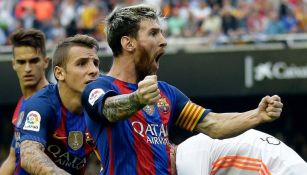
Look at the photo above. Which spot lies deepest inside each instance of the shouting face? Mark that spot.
(150, 47)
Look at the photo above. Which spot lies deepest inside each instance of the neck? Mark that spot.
(123, 68)
(70, 99)
(28, 91)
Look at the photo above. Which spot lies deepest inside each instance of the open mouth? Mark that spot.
(158, 57)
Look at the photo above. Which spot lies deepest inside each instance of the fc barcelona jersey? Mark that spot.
(18, 113)
(140, 144)
(63, 133)
(18, 108)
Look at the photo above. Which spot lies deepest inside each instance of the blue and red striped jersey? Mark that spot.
(140, 144)
(17, 111)
(63, 133)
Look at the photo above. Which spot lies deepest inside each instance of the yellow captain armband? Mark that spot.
(189, 116)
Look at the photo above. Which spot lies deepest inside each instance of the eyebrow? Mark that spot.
(156, 29)
(34, 59)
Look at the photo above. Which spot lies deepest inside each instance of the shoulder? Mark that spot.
(48, 90)
(48, 96)
(168, 88)
(101, 81)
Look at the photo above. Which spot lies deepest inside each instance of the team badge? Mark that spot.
(163, 106)
(94, 95)
(33, 121)
(149, 109)
(75, 140)
(20, 118)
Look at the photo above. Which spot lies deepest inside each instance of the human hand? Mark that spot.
(270, 108)
(148, 92)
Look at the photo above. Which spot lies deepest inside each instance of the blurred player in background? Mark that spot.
(250, 153)
(53, 134)
(30, 63)
(130, 112)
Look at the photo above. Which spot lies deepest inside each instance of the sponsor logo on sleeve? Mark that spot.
(32, 122)
(94, 95)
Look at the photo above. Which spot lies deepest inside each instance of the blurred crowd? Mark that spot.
(218, 20)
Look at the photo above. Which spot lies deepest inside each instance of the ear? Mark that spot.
(128, 43)
(46, 62)
(59, 73)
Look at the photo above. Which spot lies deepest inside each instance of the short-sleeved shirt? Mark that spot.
(63, 134)
(140, 144)
(250, 153)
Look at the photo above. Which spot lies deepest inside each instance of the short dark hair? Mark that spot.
(126, 22)
(29, 37)
(61, 51)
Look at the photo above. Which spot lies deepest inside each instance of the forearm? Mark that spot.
(121, 107)
(8, 165)
(35, 161)
(226, 125)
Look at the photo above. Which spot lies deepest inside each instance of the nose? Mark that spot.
(163, 42)
(28, 67)
(93, 70)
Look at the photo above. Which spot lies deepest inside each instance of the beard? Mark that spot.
(144, 66)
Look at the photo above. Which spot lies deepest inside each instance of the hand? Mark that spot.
(270, 108)
(148, 92)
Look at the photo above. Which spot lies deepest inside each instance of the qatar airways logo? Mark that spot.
(153, 133)
(270, 70)
(65, 158)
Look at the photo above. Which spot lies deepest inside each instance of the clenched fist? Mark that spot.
(270, 108)
(148, 92)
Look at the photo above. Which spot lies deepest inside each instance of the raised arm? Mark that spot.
(35, 161)
(226, 125)
(8, 166)
(124, 106)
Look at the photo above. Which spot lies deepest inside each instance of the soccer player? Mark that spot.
(131, 113)
(250, 153)
(53, 134)
(30, 63)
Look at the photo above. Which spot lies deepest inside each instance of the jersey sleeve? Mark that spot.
(16, 112)
(37, 120)
(93, 98)
(186, 113)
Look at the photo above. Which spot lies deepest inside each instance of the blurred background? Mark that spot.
(224, 54)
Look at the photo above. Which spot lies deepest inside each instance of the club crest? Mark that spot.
(75, 140)
(163, 106)
(149, 109)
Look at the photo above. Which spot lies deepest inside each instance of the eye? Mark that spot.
(154, 32)
(20, 62)
(96, 62)
(34, 60)
(81, 63)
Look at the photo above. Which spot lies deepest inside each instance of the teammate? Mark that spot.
(250, 153)
(53, 133)
(30, 63)
(131, 113)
